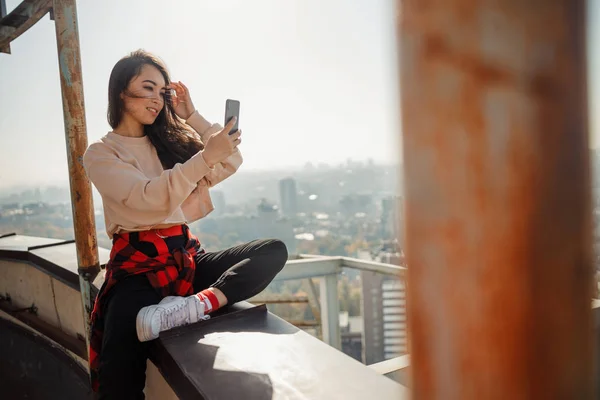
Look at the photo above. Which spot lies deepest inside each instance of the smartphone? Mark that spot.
(232, 109)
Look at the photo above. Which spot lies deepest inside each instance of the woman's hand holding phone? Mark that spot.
(221, 145)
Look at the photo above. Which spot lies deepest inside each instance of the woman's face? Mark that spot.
(144, 97)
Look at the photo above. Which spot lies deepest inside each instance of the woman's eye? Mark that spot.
(148, 87)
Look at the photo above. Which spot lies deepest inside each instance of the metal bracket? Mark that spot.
(31, 309)
(90, 273)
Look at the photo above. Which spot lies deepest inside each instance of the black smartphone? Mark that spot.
(232, 109)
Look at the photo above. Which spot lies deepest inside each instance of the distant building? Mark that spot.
(267, 213)
(268, 224)
(288, 196)
(392, 218)
(353, 204)
(384, 314)
(372, 346)
(351, 329)
(37, 195)
(11, 206)
(394, 317)
(218, 199)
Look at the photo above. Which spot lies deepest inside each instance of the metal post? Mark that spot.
(330, 311)
(313, 302)
(67, 38)
(498, 201)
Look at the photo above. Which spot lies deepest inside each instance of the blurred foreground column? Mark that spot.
(498, 206)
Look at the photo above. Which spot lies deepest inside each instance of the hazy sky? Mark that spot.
(316, 79)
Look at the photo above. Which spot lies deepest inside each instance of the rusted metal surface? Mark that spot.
(67, 36)
(23, 17)
(498, 217)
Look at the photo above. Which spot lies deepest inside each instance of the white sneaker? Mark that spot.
(171, 312)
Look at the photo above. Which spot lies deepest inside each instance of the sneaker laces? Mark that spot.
(175, 316)
(178, 315)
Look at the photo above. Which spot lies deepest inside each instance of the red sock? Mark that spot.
(211, 303)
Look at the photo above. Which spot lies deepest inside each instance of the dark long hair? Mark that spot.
(173, 140)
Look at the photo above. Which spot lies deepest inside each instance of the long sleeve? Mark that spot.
(144, 201)
(225, 168)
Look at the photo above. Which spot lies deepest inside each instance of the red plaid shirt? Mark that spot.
(171, 273)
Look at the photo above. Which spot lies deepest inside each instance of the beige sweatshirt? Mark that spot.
(137, 193)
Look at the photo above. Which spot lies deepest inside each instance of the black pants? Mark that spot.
(239, 272)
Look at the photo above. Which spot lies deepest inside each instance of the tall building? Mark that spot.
(372, 346)
(384, 313)
(394, 318)
(288, 196)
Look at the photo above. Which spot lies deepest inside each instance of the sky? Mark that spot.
(316, 79)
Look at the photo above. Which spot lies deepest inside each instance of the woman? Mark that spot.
(153, 171)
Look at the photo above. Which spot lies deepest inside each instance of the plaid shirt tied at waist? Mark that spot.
(170, 272)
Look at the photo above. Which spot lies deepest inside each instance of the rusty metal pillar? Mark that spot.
(498, 203)
(67, 37)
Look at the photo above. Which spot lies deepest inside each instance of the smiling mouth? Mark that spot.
(152, 110)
